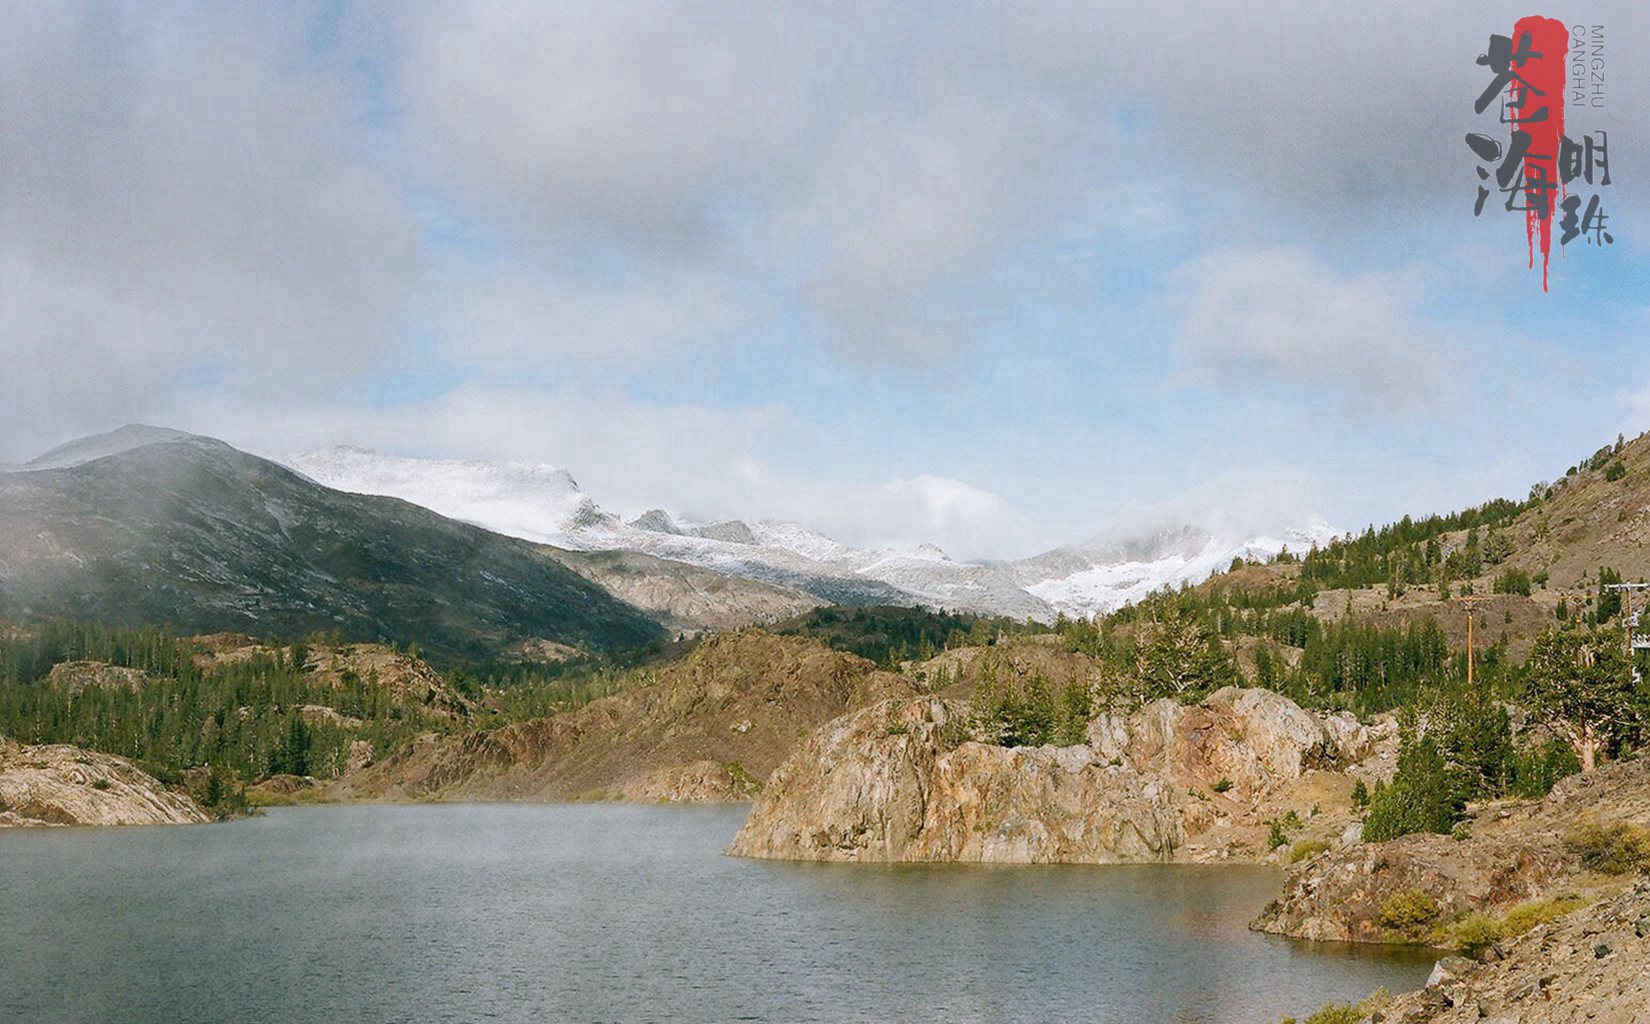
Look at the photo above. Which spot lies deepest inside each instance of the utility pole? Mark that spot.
(1629, 617)
(1470, 601)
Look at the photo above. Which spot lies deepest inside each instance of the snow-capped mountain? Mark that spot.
(1101, 575)
(544, 503)
(520, 499)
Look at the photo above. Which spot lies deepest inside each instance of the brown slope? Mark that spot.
(685, 598)
(1590, 521)
(710, 726)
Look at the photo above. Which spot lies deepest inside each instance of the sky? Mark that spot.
(995, 276)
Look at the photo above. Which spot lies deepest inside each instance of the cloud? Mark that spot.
(515, 317)
(890, 164)
(183, 195)
(1637, 406)
(704, 463)
(879, 180)
(964, 520)
(1254, 319)
(539, 212)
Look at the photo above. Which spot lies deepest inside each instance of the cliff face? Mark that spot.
(1167, 783)
(64, 785)
(1514, 853)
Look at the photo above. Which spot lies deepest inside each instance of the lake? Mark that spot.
(598, 913)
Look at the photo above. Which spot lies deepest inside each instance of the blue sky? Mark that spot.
(998, 276)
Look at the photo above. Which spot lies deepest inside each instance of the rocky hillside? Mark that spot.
(897, 781)
(686, 598)
(403, 676)
(1592, 965)
(711, 726)
(1596, 515)
(147, 527)
(64, 785)
(1514, 853)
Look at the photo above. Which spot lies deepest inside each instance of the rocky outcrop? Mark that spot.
(707, 728)
(1347, 896)
(404, 675)
(701, 782)
(898, 782)
(64, 785)
(1514, 852)
(1589, 966)
(683, 597)
(75, 676)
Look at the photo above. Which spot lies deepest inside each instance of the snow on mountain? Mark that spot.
(1102, 575)
(543, 503)
(520, 499)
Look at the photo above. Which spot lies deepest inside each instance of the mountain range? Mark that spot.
(480, 559)
(544, 503)
(150, 526)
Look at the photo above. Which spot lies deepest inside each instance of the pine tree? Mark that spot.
(1581, 685)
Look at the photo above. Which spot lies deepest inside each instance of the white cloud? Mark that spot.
(706, 464)
(964, 520)
(1260, 318)
(518, 318)
(183, 195)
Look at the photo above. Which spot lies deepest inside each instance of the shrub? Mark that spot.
(1278, 829)
(1533, 771)
(1513, 581)
(1306, 849)
(1611, 849)
(1346, 1013)
(1222, 786)
(1360, 795)
(1337, 1013)
(100, 784)
(1615, 471)
(1525, 916)
(1473, 934)
(1409, 911)
(1275, 835)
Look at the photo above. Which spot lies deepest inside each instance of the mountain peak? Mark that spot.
(656, 520)
(122, 439)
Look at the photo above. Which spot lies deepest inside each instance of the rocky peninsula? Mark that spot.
(59, 784)
(1245, 774)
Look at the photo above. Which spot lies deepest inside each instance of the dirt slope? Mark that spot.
(709, 727)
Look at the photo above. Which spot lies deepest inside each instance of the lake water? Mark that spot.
(602, 913)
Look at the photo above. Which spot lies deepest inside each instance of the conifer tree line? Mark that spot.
(219, 726)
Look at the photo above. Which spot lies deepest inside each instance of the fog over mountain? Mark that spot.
(151, 526)
(545, 503)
